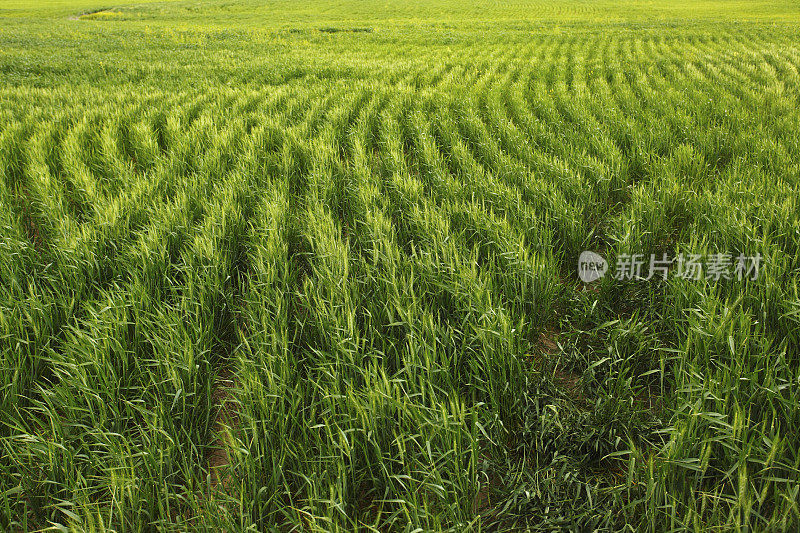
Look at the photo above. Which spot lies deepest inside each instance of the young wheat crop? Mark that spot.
(312, 267)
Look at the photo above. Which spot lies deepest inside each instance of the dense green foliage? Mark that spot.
(312, 266)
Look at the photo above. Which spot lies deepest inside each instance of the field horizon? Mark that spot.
(361, 265)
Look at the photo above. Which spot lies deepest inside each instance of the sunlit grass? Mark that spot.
(280, 266)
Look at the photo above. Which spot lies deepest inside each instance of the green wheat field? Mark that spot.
(314, 266)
